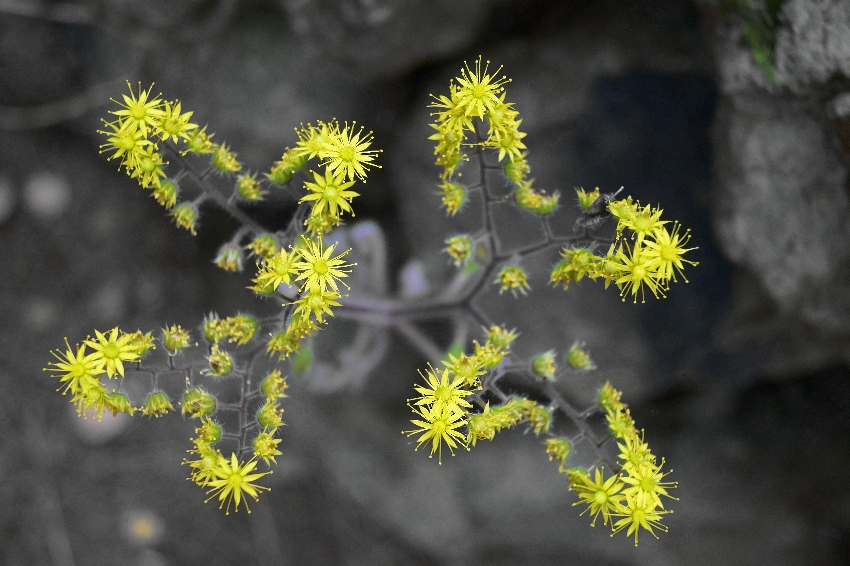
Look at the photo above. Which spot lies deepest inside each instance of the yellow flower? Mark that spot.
(469, 369)
(142, 341)
(665, 252)
(233, 481)
(330, 193)
(454, 197)
(128, 144)
(74, 367)
(477, 91)
(229, 258)
(346, 153)
(138, 113)
(544, 365)
(274, 385)
(459, 248)
(118, 403)
(175, 124)
(508, 142)
(215, 329)
(165, 193)
(114, 350)
(585, 199)
(318, 303)
(636, 516)
(579, 359)
(91, 394)
(636, 271)
(198, 141)
(646, 485)
(279, 270)
(313, 139)
(197, 403)
(241, 328)
(601, 496)
(148, 167)
(317, 267)
(438, 426)
(558, 449)
(442, 392)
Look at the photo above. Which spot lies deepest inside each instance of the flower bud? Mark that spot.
(198, 403)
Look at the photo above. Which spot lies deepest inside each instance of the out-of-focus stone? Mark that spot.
(781, 200)
(383, 38)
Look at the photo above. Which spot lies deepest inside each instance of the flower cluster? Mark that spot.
(228, 478)
(142, 124)
(231, 479)
(645, 254)
(442, 407)
(455, 407)
(343, 151)
(479, 96)
(630, 499)
(81, 371)
(314, 273)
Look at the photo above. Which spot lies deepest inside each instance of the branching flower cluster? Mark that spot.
(232, 373)
(293, 264)
(470, 399)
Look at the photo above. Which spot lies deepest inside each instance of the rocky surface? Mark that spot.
(781, 185)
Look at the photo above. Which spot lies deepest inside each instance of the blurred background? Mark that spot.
(740, 377)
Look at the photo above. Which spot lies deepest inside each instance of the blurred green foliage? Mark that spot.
(762, 21)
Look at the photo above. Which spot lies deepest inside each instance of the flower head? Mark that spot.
(544, 365)
(174, 123)
(220, 362)
(438, 425)
(665, 250)
(197, 403)
(140, 112)
(442, 391)
(264, 247)
(459, 248)
(330, 193)
(347, 153)
(72, 367)
(638, 515)
(229, 258)
(454, 196)
(234, 481)
(114, 350)
(478, 90)
(602, 496)
(636, 271)
(318, 269)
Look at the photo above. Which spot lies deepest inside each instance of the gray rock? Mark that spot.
(781, 202)
(384, 38)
